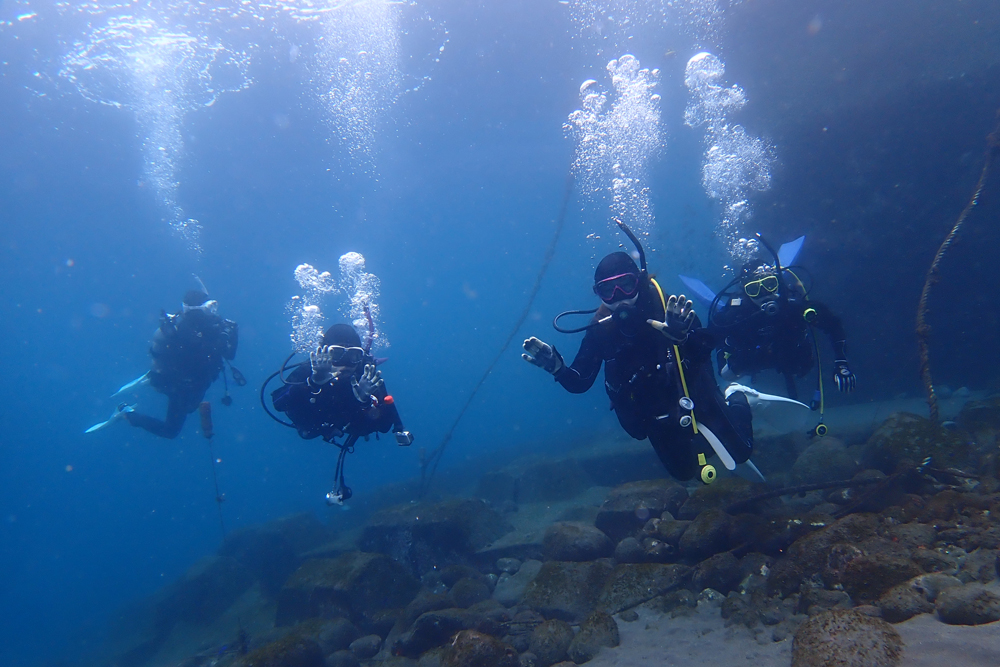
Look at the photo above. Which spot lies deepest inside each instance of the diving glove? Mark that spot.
(322, 365)
(543, 355)
(364, 387)
(678, 319)
(842, 375)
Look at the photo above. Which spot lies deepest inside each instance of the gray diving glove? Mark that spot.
(679, 318)
(365, 387)
(543, 355)
(322, 365)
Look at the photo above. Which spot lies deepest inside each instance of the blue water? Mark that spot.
(878, 119)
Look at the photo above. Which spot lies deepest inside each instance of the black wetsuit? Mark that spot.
(750, 340)
(642, 380)
(188, 353)
(331, 410)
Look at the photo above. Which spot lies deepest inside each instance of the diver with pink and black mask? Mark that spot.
(657, 370)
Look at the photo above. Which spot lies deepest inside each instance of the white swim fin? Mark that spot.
(119, 413)
(755, 398)
(748, 471)
(138, 382)
(727, 459)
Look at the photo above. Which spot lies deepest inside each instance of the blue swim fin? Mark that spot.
(702, 293)
(789, 252)
(138, 382)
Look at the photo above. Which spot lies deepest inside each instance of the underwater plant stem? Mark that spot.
(432, 460)
(803, 488)
(924, 329)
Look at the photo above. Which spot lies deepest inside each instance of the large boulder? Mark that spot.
(356, 585)
(708, 534)
(719, 495)
(475, 649)
(510, 588)
(434, 628)
(567, 591)
(907, 439)
(550, 641)
(628, 507)
(575, 541)
(825, 460)
(972, 604)
(846, 638)
(427, 536)
(291, 651)
(720, 572)
(631, 584)
(871, 574)
(597, 631)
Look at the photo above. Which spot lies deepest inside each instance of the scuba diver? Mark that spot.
(338, 393)
(657, 371)
(189, 350)
(764, 319)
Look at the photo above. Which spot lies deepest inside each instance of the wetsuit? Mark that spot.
(331, 410)
(188, 353)
(750, 340)
(644, 385)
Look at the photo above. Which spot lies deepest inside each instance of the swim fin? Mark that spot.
(119, 413)
(748, 471)
(788, 252)
(702, 293)
(755, 398)
(138, 382)
(720, 450)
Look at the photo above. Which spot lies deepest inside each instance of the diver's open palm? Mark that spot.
(678, 318)
(322, 365)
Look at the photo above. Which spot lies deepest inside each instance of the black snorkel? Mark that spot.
(780, 272)
(643, 276)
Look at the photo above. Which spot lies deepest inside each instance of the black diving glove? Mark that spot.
(322, 366)
(842, 375)
(543, 355)
(679, 318)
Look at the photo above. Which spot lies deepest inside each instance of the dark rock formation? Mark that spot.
(720, 495)
(356, 585)
(632, 584)
(574, 541)
(972, 604)
(568, 591)
(424, 536)
(720, 572)
(342, 659)
(629, 506)
(292, 651)
(846, 638)
(825, 460)
(366, 647)
(597, 631)
(708, 534)
(907, 439)
(510, 590)
(550, 641)
(534, 481)
(475, 649)
(630, 551)
(468, 591)
(434, 628)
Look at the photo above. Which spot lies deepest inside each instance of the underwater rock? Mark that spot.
(669, 602)
(356, 585)
(903, 602)
(533, 481)
(825, 460)
(509, 591)
(567, 591)
(670, 530)
(336, 635)
(508, 565)
(424, 536)
(203, 593)
(550, 641)
(475, 649)
(468, 591)
(451, 574)
(720, 572)
(846, 638)
(972, 604)
(814, 601)
(434, 628)
(717, 496)
(935, 560)
(291, 651)
(573, 541)
(631, 584)
(272, 551)
(342, 659)
(868, 576)
(708, 534)
(366, 647)
(597, 631)
(907, 439)
(629, 506)
(980, 416)
(528, 659)
(913, 535)
(630, 551)
(520, 627)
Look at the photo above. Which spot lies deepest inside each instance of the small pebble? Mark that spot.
(629, 616)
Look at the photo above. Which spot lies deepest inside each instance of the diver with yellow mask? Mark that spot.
(657, 371)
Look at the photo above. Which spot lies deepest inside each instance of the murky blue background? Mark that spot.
(878, 119)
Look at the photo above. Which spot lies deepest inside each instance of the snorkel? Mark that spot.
(643, 275)
(780, 273)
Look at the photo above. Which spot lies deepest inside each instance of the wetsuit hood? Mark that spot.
(343, 335)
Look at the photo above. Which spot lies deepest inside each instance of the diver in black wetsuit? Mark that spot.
(189, 350)
(338, 393)
(764, 320)
(657, 370)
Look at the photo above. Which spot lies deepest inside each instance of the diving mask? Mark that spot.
(625, 283)
(767, 283)
(209, 307)
(345, 356)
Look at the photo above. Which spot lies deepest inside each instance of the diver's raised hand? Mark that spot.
(844, 376)
(678, 318)
(543, 355)
(322, 365)
(366, 385)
